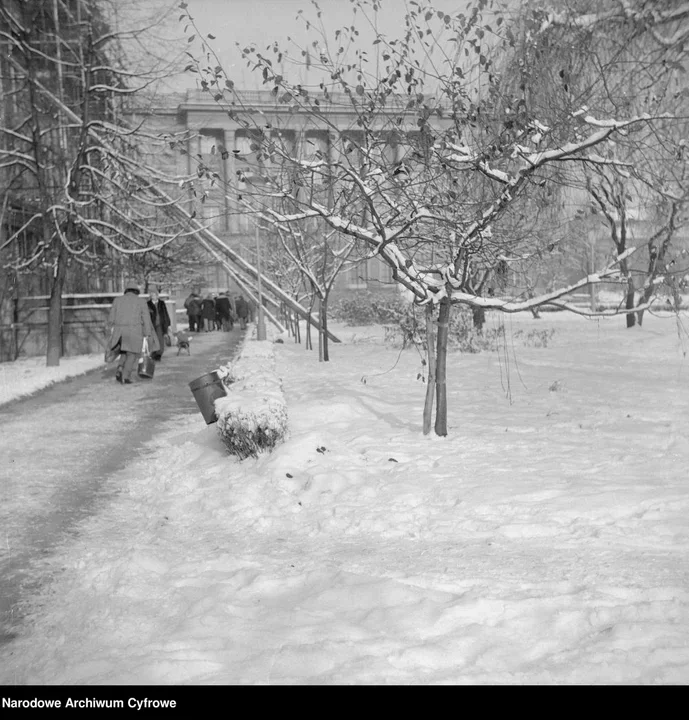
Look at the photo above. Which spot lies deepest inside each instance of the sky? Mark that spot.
(264, 21)
(543, 541)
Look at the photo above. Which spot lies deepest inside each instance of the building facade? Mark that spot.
(207, 134)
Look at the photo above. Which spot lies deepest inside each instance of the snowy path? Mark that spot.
(543, 541)
(62, 447)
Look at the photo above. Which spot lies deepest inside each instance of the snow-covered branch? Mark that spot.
(610, 274)
(643, 15)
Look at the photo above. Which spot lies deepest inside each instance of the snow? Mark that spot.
(253, 414)
(28, 375)
(543, 541)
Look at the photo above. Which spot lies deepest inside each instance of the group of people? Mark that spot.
(216, 312)
(133, 320)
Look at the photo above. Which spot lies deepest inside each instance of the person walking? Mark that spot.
(160, 319)
(131, 323)
(208, 312)
(223, 310)
(242, 311)
(193, 308)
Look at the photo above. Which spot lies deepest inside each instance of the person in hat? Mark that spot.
(131, 323)
(223, 310)
(193, 307)
(160, 319)
(242, 311)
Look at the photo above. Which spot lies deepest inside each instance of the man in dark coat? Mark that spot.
(208, 312)
(160, 319)
(242, 310)
(193, 307)
(224, 311)
(131, 323)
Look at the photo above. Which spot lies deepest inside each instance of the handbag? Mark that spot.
(168, 341)
(147, 364)
(112, 353)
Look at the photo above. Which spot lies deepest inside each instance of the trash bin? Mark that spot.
(207, 389)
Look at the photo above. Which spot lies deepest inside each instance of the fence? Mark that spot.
(83, 331)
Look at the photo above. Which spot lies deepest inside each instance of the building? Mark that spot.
(203, 132)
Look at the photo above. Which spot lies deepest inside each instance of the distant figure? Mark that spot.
(218, 318)
(208, 312)
(193, 307)
(160, 319)
(223, 311)
(131, 323)
(242, 308)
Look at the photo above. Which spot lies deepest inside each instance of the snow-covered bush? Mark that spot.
(252, 418)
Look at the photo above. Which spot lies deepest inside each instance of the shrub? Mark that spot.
(407, 324)
(252, 418)
(253, 425)
(463, 335)
(367, 308)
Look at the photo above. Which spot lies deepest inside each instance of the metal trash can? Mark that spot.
(207, 389)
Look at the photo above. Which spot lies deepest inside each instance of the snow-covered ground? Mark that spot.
(544, 540)
(28, 375)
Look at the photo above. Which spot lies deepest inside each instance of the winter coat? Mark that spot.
(208, 308)
(242, 308)
(222, 307)
(193, 306)
(131, 322)
(159, 309)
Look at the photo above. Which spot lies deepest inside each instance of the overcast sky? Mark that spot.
(265, 21)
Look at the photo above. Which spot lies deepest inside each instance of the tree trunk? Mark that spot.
(441, 368)
(324, 326)
(676, 295)
(631, 319)
(54, 352)
(320, 330)
(478, 316)
(309, 339)
(430, 361)
(656, 260)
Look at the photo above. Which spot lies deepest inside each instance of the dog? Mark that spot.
(183, 340)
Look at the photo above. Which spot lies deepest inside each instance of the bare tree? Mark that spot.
(71, 169)
(617, 59)
(319, 258)
(433, 125)
(665, 22)
(176, 263)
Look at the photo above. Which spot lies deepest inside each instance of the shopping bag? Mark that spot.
(147, 364)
